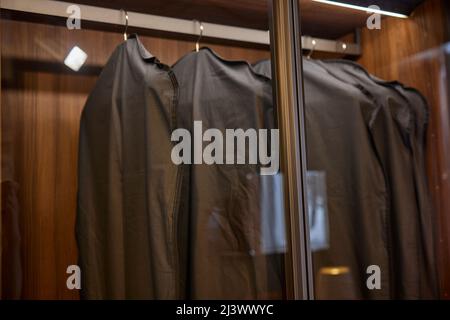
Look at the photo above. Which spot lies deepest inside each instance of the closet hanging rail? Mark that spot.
(139, 20)
(182, 26)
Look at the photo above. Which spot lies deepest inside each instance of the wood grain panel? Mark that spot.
(412, 52)
(41, 106)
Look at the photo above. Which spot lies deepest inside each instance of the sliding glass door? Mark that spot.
(376, 122)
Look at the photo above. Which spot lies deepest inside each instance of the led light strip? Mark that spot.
(366, 9)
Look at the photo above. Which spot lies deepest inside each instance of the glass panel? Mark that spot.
(100, 185)
(377, 123)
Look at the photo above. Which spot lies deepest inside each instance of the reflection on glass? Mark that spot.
(317, 210)
(273, 236)
(335, 283)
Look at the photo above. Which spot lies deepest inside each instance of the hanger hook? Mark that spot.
(314, 42)
(125, 36)
(197, 44)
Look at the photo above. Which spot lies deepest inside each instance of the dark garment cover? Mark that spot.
(420, 111)
(339, 144)
(128, 186)
(11, 260)
(428, 221)
(147, 228)
(226, 258)
(395, 127)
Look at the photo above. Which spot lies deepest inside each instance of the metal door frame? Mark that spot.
(285, 39)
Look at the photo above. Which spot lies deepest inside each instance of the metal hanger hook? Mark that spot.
(314, 42)
(125, 36)
(197, 44)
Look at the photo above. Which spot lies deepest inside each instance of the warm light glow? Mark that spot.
(334, 271)
(369, 10)
(75, 59)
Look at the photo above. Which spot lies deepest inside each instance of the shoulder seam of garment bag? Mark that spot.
(373, 78)
(226, 61)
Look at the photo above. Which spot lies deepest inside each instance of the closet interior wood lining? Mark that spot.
(41, 102)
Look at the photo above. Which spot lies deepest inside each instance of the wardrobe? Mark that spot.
(42, 102)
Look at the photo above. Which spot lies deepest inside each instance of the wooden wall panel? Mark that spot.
(41, 107)
(41, 103)
(412, 52)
